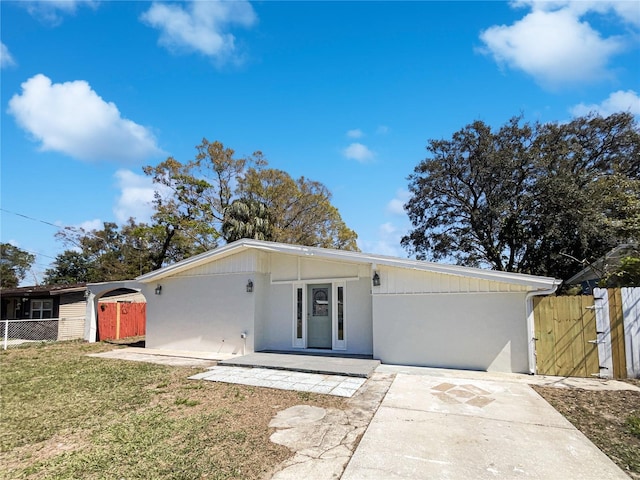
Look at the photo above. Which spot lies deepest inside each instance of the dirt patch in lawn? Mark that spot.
(610, 419)
(67, 415)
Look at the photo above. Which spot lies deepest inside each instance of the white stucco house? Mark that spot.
(263, 296)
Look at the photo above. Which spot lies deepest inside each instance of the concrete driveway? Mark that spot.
(439, 427)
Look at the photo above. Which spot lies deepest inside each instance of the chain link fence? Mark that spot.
(20, 332)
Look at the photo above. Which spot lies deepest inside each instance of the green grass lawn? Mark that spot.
(66, 415)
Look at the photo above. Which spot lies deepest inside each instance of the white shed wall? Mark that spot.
(481, 331)
(200, 313)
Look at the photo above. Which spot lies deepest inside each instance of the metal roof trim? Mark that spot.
(352, 257)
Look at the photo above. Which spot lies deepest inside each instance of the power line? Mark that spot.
(57, 227)
(37, 253)
(35, 219)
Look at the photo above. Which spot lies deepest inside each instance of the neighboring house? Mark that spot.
(262, 296)
(590, 275)
(66, 303)
(63, 310)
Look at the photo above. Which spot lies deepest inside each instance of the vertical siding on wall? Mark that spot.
(406, 281)
(292, 268)
(243, 262)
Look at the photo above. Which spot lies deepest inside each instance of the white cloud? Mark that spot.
(355, 133)
(89, 225)
(626, 10)
(6, 59)
(620, 101)
(553, 45)
(386, 243)
(359, 152)
(52, 11)
(382, 130)
(136, 196)
(72, 118)
(201, 26)
(396, 205)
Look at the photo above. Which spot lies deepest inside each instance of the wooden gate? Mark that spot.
(121, 320)
(566, 336)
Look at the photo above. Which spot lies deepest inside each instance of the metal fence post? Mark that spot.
(6, 334)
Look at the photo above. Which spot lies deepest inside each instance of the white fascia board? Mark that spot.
(492, 275)
(351, 257)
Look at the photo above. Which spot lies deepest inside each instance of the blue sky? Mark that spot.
(346, 93)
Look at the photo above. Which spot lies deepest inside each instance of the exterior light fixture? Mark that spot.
(158, 289)
(376, 279)
(249, 286)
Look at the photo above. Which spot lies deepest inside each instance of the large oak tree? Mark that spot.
(528, 197)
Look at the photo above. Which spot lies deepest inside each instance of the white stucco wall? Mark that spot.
(201, 313)
(477, 331)
(358, 317)
(276, 317)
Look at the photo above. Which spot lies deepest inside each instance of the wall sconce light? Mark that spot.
(158, 289)
(376, 279)
(249, 286)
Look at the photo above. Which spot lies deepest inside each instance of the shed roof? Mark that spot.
(346, 256)
(43, 290)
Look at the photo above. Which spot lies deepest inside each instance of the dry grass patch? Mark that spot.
(610, 419)
(66, 415)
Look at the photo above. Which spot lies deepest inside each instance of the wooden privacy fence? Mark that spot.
(121, 320)
(590, 335)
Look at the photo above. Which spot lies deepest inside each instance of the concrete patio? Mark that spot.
(321, 364)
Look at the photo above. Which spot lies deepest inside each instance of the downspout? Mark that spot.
(531, 328)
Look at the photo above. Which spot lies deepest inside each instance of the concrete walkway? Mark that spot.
(452, 427)
(326, 365)
(338, 385)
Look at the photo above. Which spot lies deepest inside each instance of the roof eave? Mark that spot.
(536, 282)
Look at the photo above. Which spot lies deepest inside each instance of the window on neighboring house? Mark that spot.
(41, 309)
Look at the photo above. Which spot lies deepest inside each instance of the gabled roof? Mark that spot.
(347, 257)
(603, 265)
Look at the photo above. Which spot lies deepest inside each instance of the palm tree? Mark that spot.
(247, 218)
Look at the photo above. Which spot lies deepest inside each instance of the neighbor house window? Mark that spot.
(41, 309)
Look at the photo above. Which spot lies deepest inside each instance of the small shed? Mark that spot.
(262, 296)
